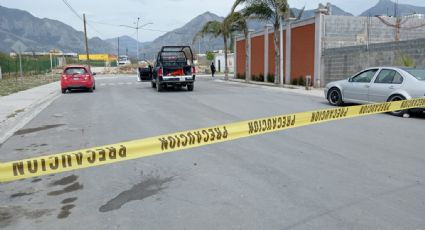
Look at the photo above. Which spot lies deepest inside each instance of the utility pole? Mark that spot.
(51, 64)
(20, 66)
(118, 47)
(137, 40)
(85, 37)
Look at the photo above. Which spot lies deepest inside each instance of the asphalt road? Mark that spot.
(362, 173)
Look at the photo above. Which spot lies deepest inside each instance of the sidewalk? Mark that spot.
(17, 109)
(314, 92)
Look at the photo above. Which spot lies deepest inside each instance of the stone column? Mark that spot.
(266, 51)
(288, 50)
(319, 24)
(281, 74)
(235, 57)
(248, 71)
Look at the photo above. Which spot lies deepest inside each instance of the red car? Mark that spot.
(77, 77)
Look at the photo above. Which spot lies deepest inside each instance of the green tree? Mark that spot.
(239, 23)
(210, 56)
(216, 29)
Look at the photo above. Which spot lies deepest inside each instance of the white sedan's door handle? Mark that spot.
(367, 86)
(391, 87)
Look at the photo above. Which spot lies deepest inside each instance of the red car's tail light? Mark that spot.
(64, 77)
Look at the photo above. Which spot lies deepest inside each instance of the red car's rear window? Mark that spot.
(75, 70)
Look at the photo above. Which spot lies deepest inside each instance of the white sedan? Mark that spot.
(378, 84)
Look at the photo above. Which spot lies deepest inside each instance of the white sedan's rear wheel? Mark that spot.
(398, 113)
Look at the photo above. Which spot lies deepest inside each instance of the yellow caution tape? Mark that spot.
(109, 154)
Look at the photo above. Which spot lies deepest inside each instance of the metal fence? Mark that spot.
(30, 65)
(36, 65)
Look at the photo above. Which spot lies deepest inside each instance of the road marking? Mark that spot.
(117, 83)
(109, 154)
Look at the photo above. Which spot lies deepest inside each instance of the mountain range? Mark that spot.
(42, 34)
(46, 34)
(387, 7)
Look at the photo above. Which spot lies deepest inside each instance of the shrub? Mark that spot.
(240, 76)
(406, 60)
(298, 81)
(270, 78)
(257, 78)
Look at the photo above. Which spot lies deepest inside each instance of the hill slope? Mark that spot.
(42, 34)
(386, 7)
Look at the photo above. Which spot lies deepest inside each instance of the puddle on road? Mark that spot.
(21, 194)
(65, 211)
(33, 130)
(9, 215)
(71, 188)
(36, 180)
(140, 191)
(65, 181)
(69, 200)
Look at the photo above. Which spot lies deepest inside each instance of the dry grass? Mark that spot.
(9, 85)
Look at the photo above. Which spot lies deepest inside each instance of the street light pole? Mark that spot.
(137, 32)
(137, 39)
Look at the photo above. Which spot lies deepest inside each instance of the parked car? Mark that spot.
(123, 60)
(378, 84)
(77, 77)
(173, 68)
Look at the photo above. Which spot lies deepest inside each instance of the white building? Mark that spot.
(219, 62)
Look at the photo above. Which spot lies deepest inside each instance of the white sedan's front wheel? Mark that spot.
(335, 97)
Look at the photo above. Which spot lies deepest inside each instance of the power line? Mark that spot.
(109, 24)
(79, 16)
(72, 9)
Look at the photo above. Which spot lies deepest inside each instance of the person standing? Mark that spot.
(212, 69)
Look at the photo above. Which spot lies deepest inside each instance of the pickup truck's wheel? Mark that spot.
(158, 87)
(190, 87)
(153, 84)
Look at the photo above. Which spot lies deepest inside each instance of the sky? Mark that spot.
(105, 16)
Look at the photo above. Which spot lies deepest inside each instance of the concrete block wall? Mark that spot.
(341, 63)
(342, 31)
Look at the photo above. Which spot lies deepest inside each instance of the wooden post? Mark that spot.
(85, 37)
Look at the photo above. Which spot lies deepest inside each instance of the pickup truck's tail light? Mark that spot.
(193, 70)
(160, 72)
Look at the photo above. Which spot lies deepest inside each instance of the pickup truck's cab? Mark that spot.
(173, 68)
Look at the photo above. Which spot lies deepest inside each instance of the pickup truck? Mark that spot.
(173, 68)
